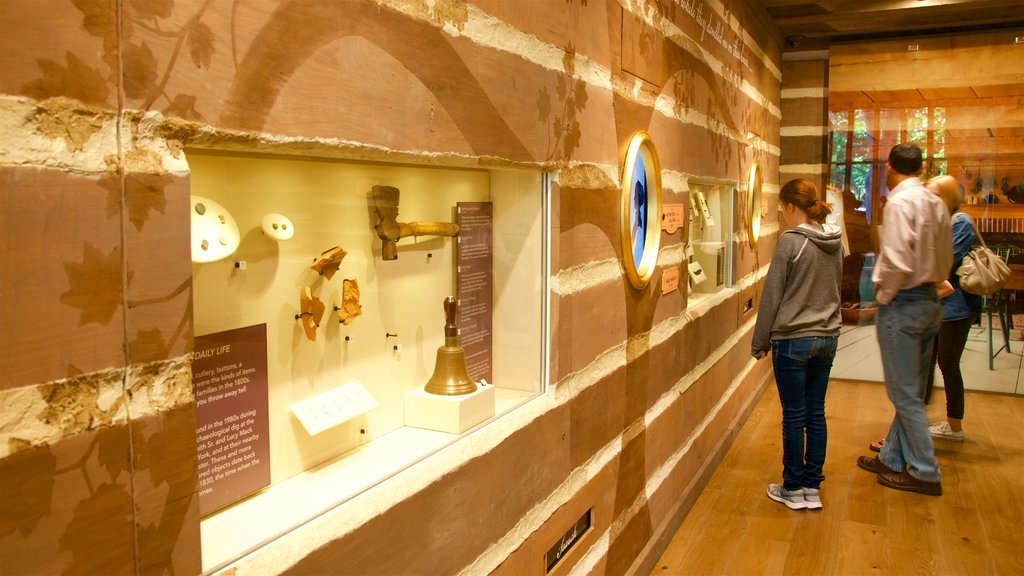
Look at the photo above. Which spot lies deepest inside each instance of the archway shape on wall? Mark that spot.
(423, 50)
(641, 210)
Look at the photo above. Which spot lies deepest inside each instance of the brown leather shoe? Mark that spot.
(874, 465)
(904, 481)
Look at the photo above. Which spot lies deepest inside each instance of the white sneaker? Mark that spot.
(812, 498)
(793, 500)
(942, 430)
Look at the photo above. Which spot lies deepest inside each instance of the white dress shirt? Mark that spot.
(917, 241)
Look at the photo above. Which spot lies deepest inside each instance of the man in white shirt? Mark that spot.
(916, 255)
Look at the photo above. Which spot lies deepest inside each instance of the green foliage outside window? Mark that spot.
(853, 145)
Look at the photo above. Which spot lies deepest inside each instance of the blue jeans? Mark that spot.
(906, 329)
(802, 366)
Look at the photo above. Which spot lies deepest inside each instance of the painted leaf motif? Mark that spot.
(200, 43)
(95, 285)
(562, 88)
(569, 60)
(572, 139)
(145, 193)
(98, 16)
(112, 450)
(150, 344)
(580, 94)
(152, 9)
(140, 71)
(543, 104)
(184, 106)
(112, 184)
(26, 503)
(76, 80)
(100, 530)
(161, 451)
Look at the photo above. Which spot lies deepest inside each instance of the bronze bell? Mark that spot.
(450, 376)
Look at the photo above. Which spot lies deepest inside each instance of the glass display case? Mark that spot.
(709, 250)
(337, 292)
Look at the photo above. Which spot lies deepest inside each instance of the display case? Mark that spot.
(709, 250)
(327, 334)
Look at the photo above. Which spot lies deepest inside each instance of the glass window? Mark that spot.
(839, 126)
(860, 182)
(863, 145)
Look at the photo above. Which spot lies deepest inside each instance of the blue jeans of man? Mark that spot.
(802, 366)
(906, 329)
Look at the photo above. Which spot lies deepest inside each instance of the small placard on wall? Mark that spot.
(572, 536)
(669, 279)
(673, 216)
(327, 410)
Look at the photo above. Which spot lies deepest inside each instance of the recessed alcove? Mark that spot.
(386, 350)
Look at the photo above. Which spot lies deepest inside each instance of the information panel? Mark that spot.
(475, 273)
(229, 373)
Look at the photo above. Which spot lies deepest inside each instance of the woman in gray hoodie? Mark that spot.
(798, 321)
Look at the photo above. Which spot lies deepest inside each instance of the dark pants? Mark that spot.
(949, 347)
(802, 366)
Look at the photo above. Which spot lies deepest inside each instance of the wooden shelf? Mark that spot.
(993, 210)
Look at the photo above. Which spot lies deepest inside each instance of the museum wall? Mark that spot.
(101, 104)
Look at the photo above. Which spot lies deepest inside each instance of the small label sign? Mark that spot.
(323, 411)
(669, 280)
(568, 540)
(672, 217)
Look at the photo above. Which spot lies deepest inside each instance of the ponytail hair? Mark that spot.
(804, 195)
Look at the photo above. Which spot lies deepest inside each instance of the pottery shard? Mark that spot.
(350, 307)
(312, 311)
(328, 262)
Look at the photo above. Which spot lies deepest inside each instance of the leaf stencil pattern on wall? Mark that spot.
(96, 289)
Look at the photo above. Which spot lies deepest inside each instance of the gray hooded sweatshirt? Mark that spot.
(801, 291)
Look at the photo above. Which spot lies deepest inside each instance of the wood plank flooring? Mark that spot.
(975, 527)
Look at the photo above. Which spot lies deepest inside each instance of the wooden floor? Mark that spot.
(975, 527)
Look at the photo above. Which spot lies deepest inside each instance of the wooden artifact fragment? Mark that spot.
(311, 312)
(350, 307)
(328, 262)
(390, 230)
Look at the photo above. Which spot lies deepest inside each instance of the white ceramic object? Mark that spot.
(277, 226)
(214, 231)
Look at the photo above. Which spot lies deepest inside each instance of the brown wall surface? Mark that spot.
(99, 101)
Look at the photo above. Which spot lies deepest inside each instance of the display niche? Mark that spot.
(709, 250)
(350, 320)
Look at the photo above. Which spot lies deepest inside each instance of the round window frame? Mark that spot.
(639, 271)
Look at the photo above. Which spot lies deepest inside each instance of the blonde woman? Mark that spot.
(959, 311)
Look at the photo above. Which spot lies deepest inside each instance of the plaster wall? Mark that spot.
(99, 99)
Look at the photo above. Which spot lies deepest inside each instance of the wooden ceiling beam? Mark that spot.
(879, 18)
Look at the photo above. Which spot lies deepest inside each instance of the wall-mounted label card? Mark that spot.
(229, 373)
(669, 280)
(672, 217)
(327, 410)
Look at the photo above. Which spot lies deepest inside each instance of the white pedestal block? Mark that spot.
(452, 414)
